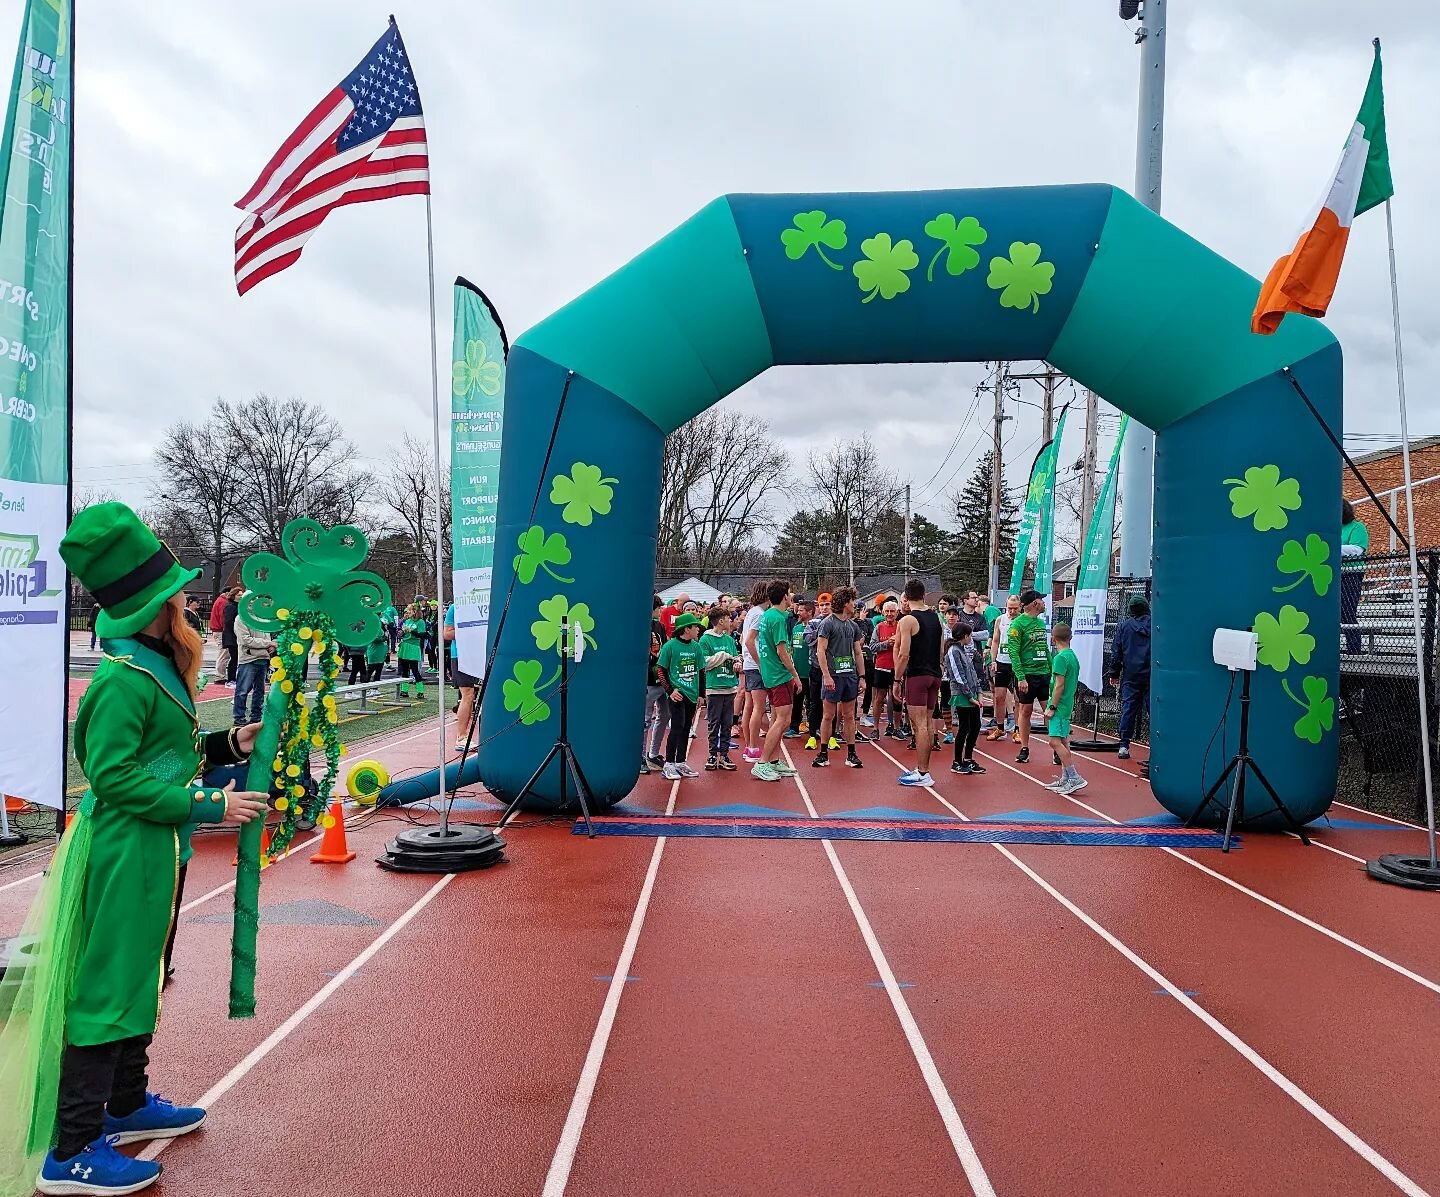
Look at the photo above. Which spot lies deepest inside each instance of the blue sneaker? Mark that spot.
(908, 777)
(98, 1169)
(917, 779)
(156, 1119)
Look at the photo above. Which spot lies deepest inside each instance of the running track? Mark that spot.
(706, 1016)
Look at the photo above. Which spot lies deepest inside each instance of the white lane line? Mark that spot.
(220, 889)
(563, 1160)
(1373, 815)
(22, 881)
(284, 1030)
(944, 1103)
(1280, 908)
(1246, 1052)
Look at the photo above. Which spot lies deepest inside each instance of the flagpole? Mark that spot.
(439, 515)
(1420, 679)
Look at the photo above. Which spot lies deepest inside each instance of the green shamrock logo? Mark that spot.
(546, 629)
(538, 551)
(1309, 561)
(1262, 493)
(1023, 276)
(814, 230)
(583, 493)
(520, 692)
(475, 372)
(955, 241)
(1319, 707)
(1283, 638)
(882, 271)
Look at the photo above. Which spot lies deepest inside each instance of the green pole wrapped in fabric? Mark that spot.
(313, 599)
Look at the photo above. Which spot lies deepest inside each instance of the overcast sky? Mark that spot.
(566, 136)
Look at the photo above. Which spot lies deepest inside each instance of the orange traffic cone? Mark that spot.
(333, 848)
(14, 805)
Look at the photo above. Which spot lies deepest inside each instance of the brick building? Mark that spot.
(1383, 470)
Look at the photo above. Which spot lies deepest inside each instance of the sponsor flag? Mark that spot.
(1304, 279)
(1039, 507)
(1092, 583)
(35, 156)
(477, 418)
(364, 141)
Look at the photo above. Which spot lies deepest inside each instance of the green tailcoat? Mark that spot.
(138, 741)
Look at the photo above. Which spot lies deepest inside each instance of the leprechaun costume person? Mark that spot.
(74, 1046)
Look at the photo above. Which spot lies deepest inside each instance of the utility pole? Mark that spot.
(1049, 379)
(1137, 457)
(907, 531)
(997, 481)
(1087, 477)
(850, 545)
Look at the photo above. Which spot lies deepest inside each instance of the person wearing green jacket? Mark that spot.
(412, 644)
(74, 1070)
(377, 653)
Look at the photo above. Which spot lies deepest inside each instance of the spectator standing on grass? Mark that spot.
(377, 654)
(390, 624)
(412, 640)
(226, 665)
(253, 651)
(1354, 544)
(1130, 669)
(192, 615)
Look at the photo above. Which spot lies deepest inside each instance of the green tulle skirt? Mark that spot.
(33, 1007)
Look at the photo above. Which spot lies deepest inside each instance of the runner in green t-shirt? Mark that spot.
(1030, 661)
(778, 676)
(722, 656)
(800, 653)
(1065, 680)
(681, 665)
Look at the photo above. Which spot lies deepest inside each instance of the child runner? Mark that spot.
(722, 658)
(800, 654)
(1030, 659)
(962, 670)
(682, 666)
(412, 642)
(1066, 674)
(779, 679)
(837, 642)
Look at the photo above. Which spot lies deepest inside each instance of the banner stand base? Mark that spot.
(1095, 745)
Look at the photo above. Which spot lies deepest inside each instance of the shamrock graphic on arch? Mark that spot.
(1283, 638)
(955, 240)
(883, 269)
(521, 692)
(1022, 277)
(583, 493)
(546, 629)
(476, 371)
(1263, 494)
(538, 551)
(1319, 708)
(814, 230)
(1309, 560)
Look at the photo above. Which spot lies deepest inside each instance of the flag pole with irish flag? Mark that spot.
(1304, 281)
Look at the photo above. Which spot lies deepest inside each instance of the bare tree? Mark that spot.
(292, 460)
(198, 499)
(406, 493)
(721, 473)
(88, 496)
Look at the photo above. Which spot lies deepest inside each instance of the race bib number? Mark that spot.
(843, 665)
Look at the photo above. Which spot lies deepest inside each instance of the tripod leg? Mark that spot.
(530, 785)
(1237, 802)
(1279, 805)
(582, 789)
(1211, 792)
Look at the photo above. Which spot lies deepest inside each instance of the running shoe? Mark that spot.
(784, 768)
(811, 744)
(949, 738)
(156, 1119)
(1056, 784)
(764, 772)
(670, 773)
(834, 743)
(752, 755)
(973, 767)
(959, 767)
(917, 779)
(712, 762)
(905, 777)
(726, 764)
(645, 766)
(1022, 756)
(1124, 753)
(1015, 735)
(685, 770)
(866, 721)
(1072, 785)
(822, 758)
(98, 1169)
(656, 760)
(862, 738)
(995, 734)
(852, 758)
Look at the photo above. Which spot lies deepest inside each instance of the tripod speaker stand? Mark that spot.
(561, 750)
(1242, 764)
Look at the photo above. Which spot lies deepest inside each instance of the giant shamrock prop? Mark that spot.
(311, 599)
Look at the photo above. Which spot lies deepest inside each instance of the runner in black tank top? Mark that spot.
(917, 660)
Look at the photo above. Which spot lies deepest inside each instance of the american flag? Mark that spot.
(364, 141)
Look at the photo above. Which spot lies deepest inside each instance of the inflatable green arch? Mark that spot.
(1247, 502)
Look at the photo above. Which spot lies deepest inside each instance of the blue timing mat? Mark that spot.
(940, 830)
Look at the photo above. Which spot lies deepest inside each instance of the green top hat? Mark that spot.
(688, 620)
(124, 565)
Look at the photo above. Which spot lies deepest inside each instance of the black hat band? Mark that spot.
(152, 569)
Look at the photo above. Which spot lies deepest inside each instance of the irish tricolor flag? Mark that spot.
(1304, 280)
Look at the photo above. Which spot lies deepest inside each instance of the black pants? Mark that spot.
(232, 649)
(967, 731)
(1351, 584)
(114, 1074)
(681, 713)
(411, 669)
(814, 707)
(375, 671)
(175, 915)
(358, 668)
(719, 715)
(799, 709)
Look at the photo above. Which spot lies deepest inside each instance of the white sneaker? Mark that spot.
(917, 779)
(685, 770)
(1056, 784)
(1072, 785)
(670, 773)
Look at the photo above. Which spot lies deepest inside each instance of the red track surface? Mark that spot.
(755, 1051)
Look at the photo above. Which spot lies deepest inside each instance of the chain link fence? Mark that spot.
(1106, 720)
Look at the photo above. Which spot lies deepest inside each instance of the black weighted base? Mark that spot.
(458, 848)
(1413, 872)
(1095, 745)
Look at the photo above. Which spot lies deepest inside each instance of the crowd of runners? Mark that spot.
(826, 671)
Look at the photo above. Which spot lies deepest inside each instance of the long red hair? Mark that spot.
(185, 641)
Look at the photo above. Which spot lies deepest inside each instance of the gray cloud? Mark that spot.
(565, 137)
